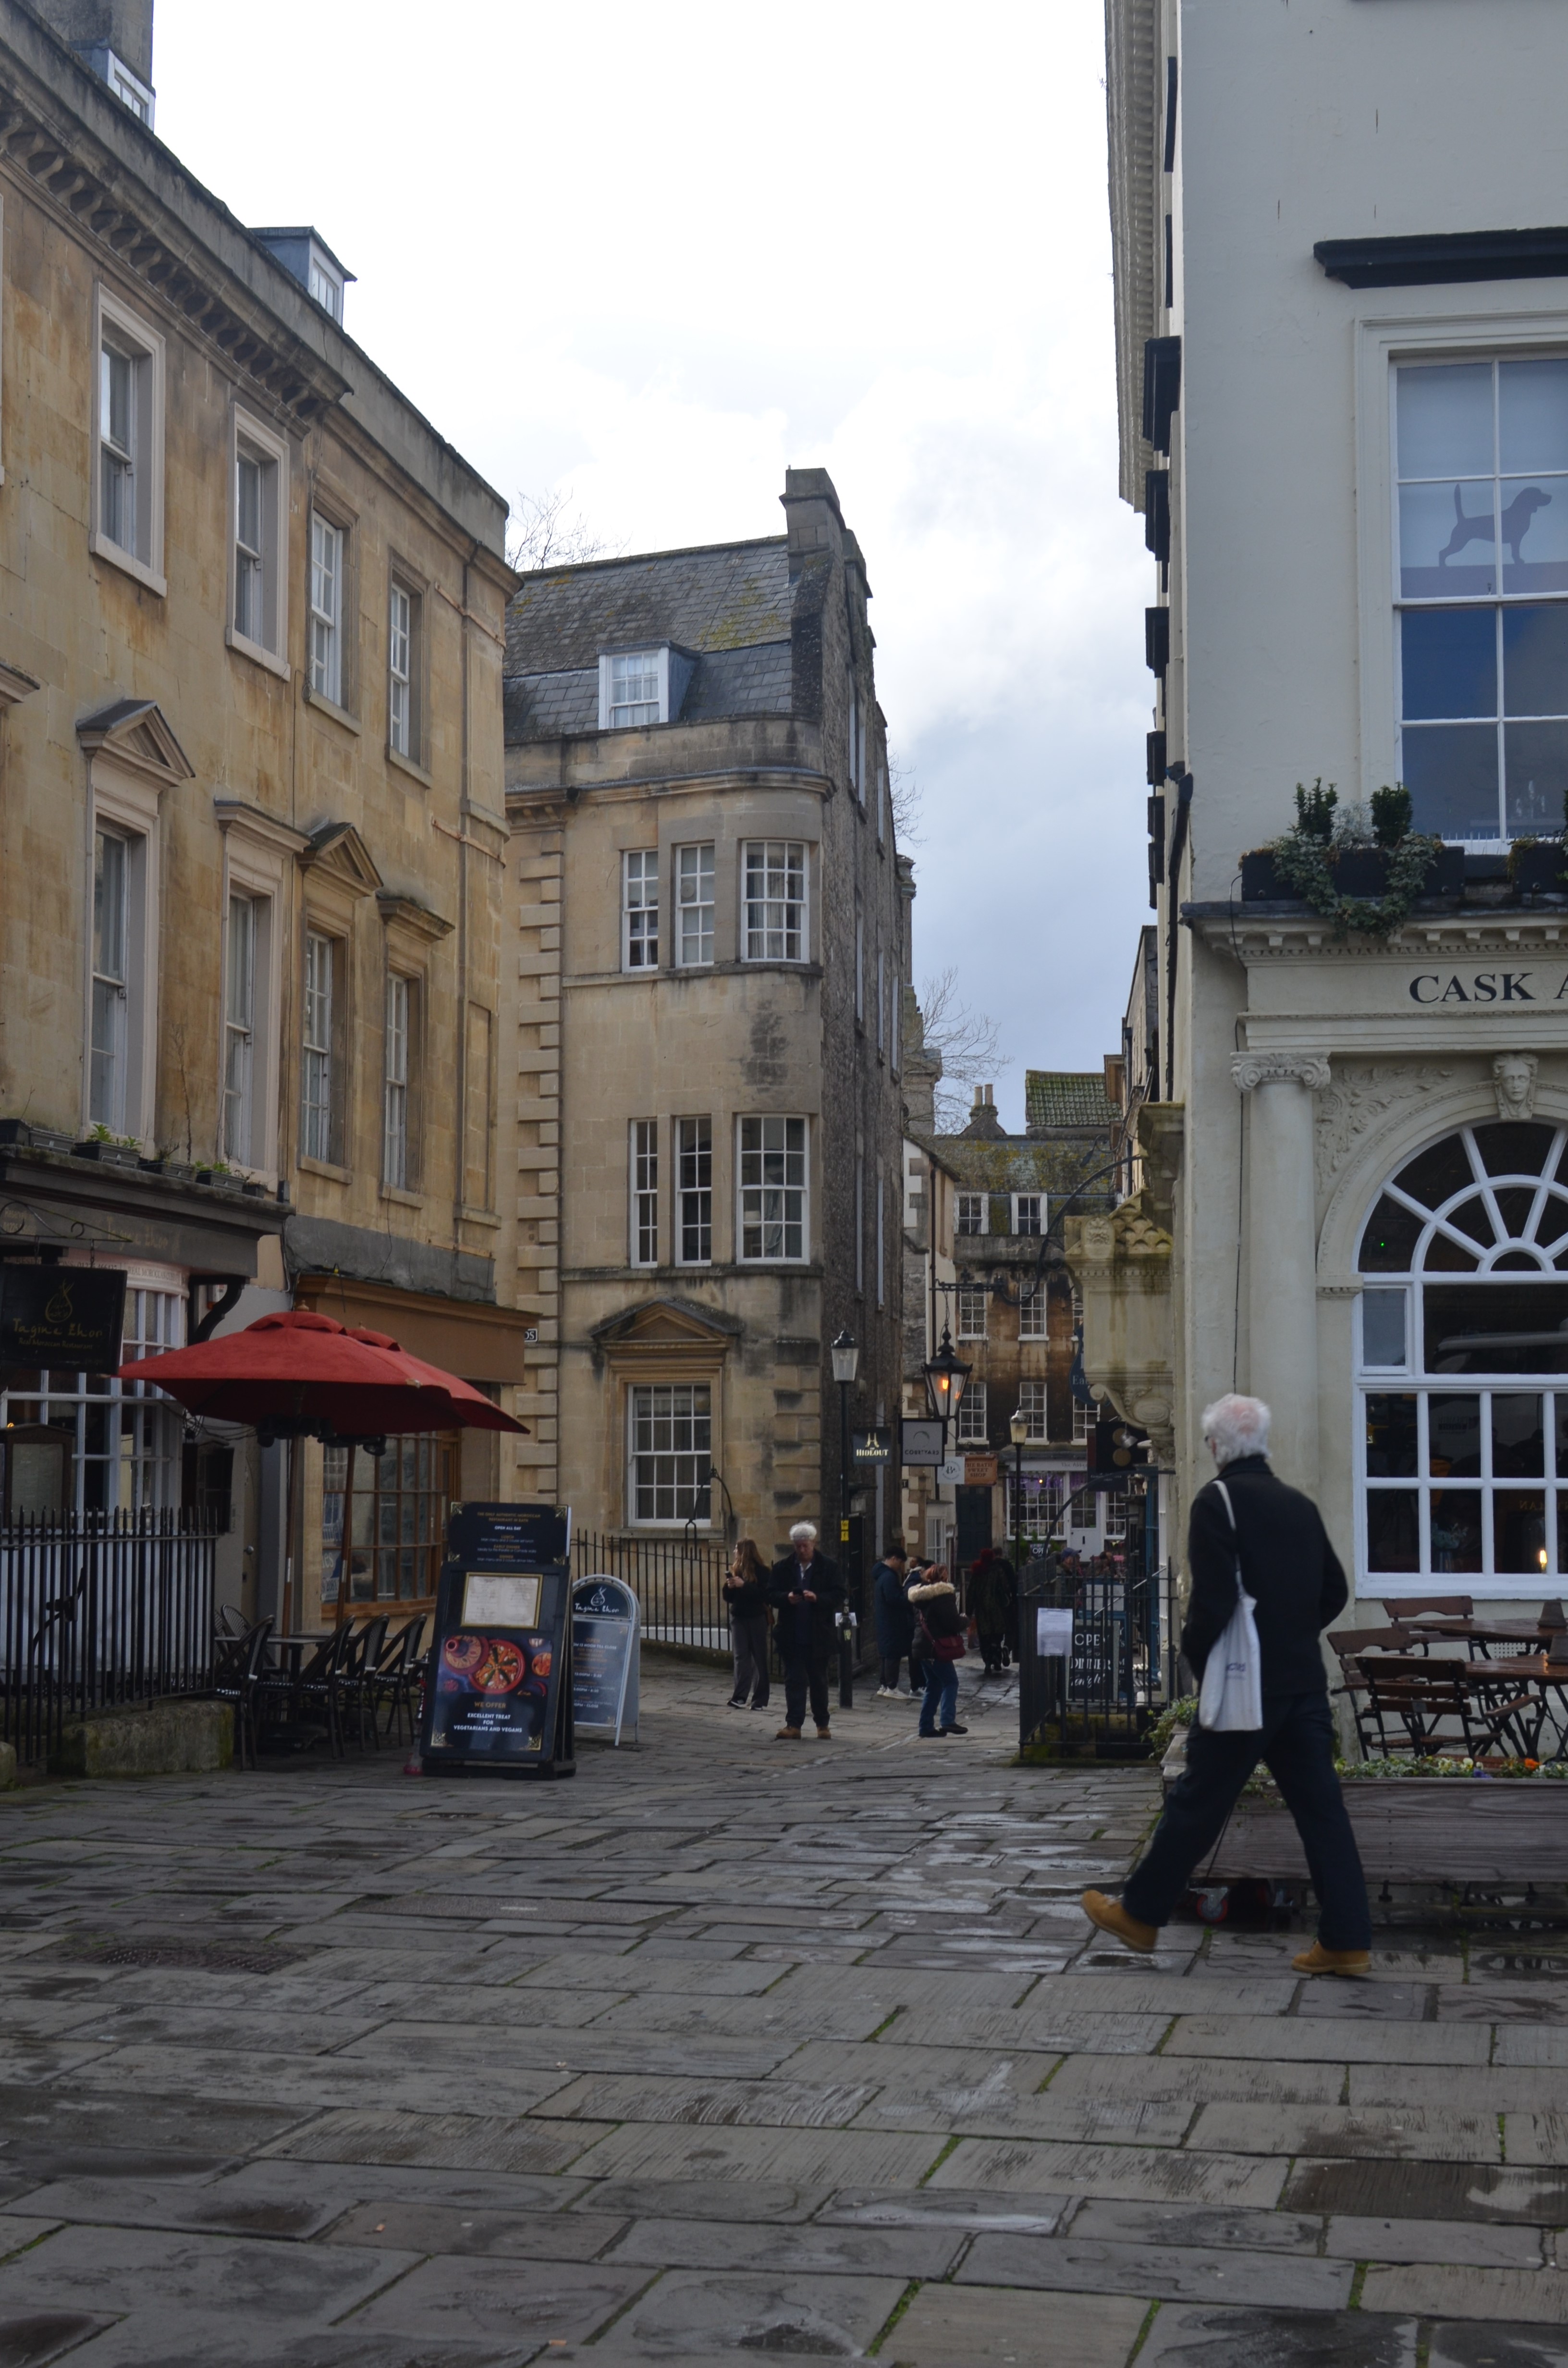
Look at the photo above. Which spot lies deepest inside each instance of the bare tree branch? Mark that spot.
(970, 1044)
(546, 534)
(905, 797)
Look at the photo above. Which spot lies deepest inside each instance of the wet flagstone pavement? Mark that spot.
(731, 2046)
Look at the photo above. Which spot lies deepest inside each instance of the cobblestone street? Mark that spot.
(731, 2045)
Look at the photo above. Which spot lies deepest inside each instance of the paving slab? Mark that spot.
(920, 2249)
(158, 2272)
(686, 2309)
(1325, 2039)
(1454, 2290)
(1423, 2132)
(1486, 2244)
(970, 2209)
(780, 2103)
(538, 2301)
(1429, 2191)
(1131, 2172)
(30, 2338)
(464, 2141)
(1168, 2273)
(1195, 2225)
(1202, 2079)
(1462, 2344)
(700, 2199)
(803, 2157)
(945, 2326)
(1197, 2336)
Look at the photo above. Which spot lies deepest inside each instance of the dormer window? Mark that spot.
(324, 285)
(127, 86)
(307, 257)
(641, 687)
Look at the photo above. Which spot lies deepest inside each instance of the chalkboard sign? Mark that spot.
(69, 1316)
(499, 1695)
(605, 1642)
(1099, 1641)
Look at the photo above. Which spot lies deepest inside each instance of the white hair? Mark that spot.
(803, 1530)
(1235, 1425)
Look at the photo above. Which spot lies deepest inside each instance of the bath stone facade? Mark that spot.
(1353, 1199)
(252, 832)
(711, 944)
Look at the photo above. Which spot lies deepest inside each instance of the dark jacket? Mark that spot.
(1287, 1567)
(807, 1626)
(895, 1621)
(938, 1606)
(746, 1598)
(993, 1590)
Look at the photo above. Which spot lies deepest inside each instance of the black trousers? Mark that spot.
(804, 1668)
(1296, 1744)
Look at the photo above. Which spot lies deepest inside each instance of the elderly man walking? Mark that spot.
(1292, 1573)
(805, 1590)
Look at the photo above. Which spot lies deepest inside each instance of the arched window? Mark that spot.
(1464, 1365)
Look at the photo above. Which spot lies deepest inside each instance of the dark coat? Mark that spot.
(895, 1620)
(1287, 1567)
(992, 1592)
(747, 1599)
(937, 1606)
(805, 1627)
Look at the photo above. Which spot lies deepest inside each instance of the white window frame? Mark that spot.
(324, 283)
(330, 1154)
(753, 1192)
(971, 1312)
(965, 1206)
(127, 807)
(399, 1081)
(243, 993)
(639, 942)
(660, 656)
(406, 641)
(971, 1428)
(116, 325)
(694, 1201)
(325, 624)
(692, 1485)
(1033, 1301)
(1037, 1201)
(1033, 1406)
(693, 916)
(1448, 325)
(797, 927)
(270, 647)
(643, 1192)
(859, 964)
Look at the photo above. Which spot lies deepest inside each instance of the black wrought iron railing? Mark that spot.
(677, 1583)
(1099, 1684)
(99, 1610)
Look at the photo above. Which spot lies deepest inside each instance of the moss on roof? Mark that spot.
(1066, 1098)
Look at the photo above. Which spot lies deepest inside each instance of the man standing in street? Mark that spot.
(1293, 1575)
(805, 1590)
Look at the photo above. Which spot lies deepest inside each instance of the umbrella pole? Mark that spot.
(346, 1583)
(288, 1544)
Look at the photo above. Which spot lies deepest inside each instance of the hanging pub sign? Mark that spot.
(920, 1445)
(72, 1317)
(604, 1655)
(872, 1445)
(499, 1694)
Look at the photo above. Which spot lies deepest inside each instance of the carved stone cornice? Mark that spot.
(1251, 1070)
(1255, 937)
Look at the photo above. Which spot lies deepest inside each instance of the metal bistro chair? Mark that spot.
(352, 1680)
(1417, 1702)
(237, 1670)
(1347, 1645)
(391, 1682)
(313, 1686)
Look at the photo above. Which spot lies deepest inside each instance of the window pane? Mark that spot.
(1454, 1437)
(1382, 1328)
(1387, 1246)
(1391, 1436)
(1515, 1146)
(1448, 540)
(1536, 759)
(1394, 1529)
(1503, 1328)
(1518, 1530)
(1456, 1529)
(1448, 661)
(1438, 1173)
(1535, 658)
(1533, 530)
(1445, 420)
(1532, 415)
(1450, 771)
(1519, 1441)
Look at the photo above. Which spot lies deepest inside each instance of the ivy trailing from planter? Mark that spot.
(1303, 859)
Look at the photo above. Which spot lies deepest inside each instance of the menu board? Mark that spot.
(605, 1642)
(496, 1697)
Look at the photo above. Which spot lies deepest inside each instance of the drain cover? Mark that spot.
(203, 1956)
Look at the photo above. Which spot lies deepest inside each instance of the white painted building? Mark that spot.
(1342, 322)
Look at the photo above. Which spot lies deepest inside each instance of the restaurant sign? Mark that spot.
(72, 1317)
(496, 1699)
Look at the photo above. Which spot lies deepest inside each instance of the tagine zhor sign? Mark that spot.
(499, 1692)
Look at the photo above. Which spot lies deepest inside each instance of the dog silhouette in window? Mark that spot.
(1517, 519)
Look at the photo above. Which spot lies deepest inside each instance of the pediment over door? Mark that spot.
(676, 1331)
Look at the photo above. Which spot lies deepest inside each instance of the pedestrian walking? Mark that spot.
(745, 1592)
(936, 1602)
(805, 1590)
(1273, 1537)
(993, 1591)
(918, 1566)
(894, 1617)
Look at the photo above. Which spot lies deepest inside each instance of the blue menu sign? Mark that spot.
(606, 1650)
(499, 1692)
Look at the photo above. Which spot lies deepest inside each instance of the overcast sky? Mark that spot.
(656, 257)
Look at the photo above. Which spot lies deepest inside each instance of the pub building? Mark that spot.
(1343, 380)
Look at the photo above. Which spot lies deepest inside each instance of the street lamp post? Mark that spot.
(846, 1354)
(1019, 1429)
(946, 1378)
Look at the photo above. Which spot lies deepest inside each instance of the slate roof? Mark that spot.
(1066, 1098)
(728, 607)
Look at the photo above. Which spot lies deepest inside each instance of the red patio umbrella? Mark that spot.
(300, 1375)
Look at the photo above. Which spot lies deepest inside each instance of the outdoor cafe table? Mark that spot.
(1476, 1632)
(1524, 1672)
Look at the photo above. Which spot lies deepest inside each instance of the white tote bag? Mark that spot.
(1231, 1697)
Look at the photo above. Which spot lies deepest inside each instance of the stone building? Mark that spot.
(713, 932)
(252, 831)
(1342, 352)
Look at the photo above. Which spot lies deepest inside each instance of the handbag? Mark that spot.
(1230, 1699)
(942, 1648)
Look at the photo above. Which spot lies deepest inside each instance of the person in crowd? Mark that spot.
(913, 1575)
(895, 1621)
(745, 1592)
(936, 1602)
(805, 1590)
(1293, 1575)
(993, 1591)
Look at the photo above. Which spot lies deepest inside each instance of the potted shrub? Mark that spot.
(1260, 877)
(1536, 867)
(1361, 873)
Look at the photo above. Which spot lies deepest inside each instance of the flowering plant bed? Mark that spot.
(1397, 1769)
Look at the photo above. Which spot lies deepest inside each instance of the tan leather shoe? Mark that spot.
(1112, 1918)
(824, 1734)
(787, 1735)
(1319, 1960)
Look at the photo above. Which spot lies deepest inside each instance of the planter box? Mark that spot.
(1447, 875)
(1260, 883)
(1415, 1829)
(1538, 870)
(1361, 871)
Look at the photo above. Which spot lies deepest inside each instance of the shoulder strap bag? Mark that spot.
(1230, 1699)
